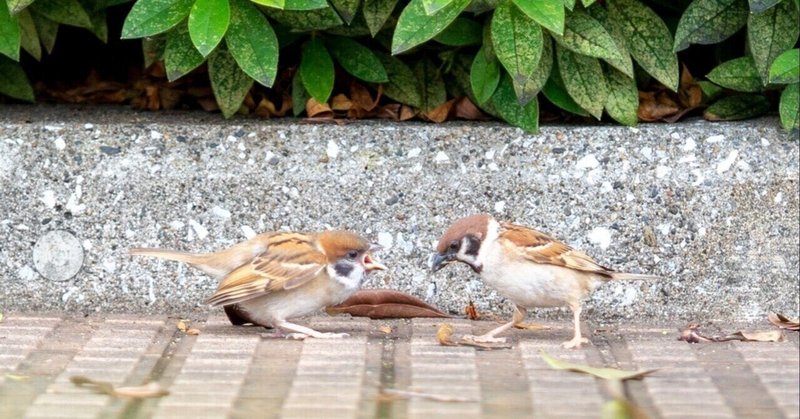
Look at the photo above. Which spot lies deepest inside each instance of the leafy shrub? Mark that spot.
(585, 57)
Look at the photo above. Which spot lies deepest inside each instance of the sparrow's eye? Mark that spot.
(454, 246)
(352, 254)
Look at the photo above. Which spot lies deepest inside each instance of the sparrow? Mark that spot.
(277, 276)
(526, 266)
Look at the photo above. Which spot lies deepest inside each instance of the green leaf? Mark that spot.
(47, 30)
(622, 102)
(433, 6)
(356, 29)
(709, 21)
(569, 4)
(583, 78)
(347, 9)
(585, 35)
(710, 90)
(180, 56)
(789, 107)
(229, 83)
(357, 59)
(604, 373)
(587, 3)
(415, 27)
(431, 84)
(277, 4)
(316, 70)
(299, 95)
(13, 82)
(733, 108)
(548, 13)
(208, 22)
(403, 85)
(772, 32)
(252, 42)
(786, 68)
(758, 6)
(648, 39)
(461, 32)
(305, 4)
(556, 93)
(376, 12)
(99, 24)
(484, 76)
(9, 34)
(505, 102)
(739, 74)
(308, 20)
(68, 12)
(29, 38)
(16, 6)
(150, 17)
(153, 48)
(518, 42)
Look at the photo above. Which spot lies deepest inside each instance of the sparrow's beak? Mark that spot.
(369, 263)
(439, 261)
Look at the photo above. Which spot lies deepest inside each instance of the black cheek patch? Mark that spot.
(473, 246)
(343, 269)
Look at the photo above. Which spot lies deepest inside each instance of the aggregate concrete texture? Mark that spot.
(712, 208)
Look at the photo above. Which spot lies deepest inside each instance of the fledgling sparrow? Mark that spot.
(526, 266)
(277, 276)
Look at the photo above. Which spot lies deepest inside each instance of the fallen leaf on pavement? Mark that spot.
(531, 326)
(384, 304)
(394, 394)
(182, 325)
(471, 311)
(692, 335)
(604, 373)
(385, 329)
(775, 318)
(444, 335)
(134, 392)
(318, 110)
(193, 332)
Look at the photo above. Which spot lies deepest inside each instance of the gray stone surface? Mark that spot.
(713, 208)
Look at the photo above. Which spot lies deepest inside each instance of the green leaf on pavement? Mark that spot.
(484, 76)
(789, 107)
(431, 84)
(208, 22)
(733, 108)
(461, 32)
(772, 32)
(357, 59)
(758, 6)
(556, 93)
(229, 83)
(316, 70)
(347, 9)
(648, 39)
(739, 74)
(622, 102)
(604, 373)
(29, 38)
(709, 21)
(376, 12)
(13, 82)
(403, 85)
(9, 34)
(150, 17)
(415, 27)
(548, 13)
(504, 102)
(786, 68)
(517, 42)
(180, 56)
(585, 35)
(252, 42)
(583, 78)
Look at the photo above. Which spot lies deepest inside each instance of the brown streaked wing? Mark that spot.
(290, 260)
(541, 248)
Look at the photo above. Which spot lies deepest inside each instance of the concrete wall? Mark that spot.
(713, 208)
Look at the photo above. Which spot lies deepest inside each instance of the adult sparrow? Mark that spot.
(277, 276)
(526, 266)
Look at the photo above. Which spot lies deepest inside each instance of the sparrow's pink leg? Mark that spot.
(577, 340)
(304, 332)
(519, 316)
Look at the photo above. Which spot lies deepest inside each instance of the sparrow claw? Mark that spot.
(575, 343)
(484, 339)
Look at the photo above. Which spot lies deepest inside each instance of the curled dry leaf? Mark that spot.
(444, 335)
(692, 335)
(439, 114)
(193, 332)
(318, 110)
(465, 109)
(340, 102)
(384, 304)
(775, 318)
(182, 325)
(134, 392)
(531, 326)
(471, 311)
(604, 373)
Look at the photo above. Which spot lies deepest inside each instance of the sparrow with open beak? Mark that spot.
(526, 266)
(277, 276)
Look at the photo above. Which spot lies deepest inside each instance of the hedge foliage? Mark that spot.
(586, 57)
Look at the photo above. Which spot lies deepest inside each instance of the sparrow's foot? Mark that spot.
(575, 343)
(484, 339)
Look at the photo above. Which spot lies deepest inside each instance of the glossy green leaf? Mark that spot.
(622, 102)
(709, 21)
(517, 42)
(484, 76)
(585, 35)
(305, 4)
(180, 56)
(356, 29)
(733, 108)
(648, 39)
(299, 95)
(583, 78)
(710, 90)
(772, 32)
(29, 38)
(539, 77)
(316, 70)
(357, 59)
(252, 42)
(604, 373)
(403, 85)
(505, 102)
(758, 6)
(478, 7)
(786, 68)
(9, 34)
(431, 84)
(739, 74)
(68, 12)
(548, 13)
(309, 20)
(153, 48)
(277, 4)
(13, 82)
(569, 4)
(461, 32)
(228, 82)
(15, 6)
(208, 22)
(347, 9)
(556, 93)
(433, 6)
(47, 30)
(415, 27)
(376, 12)
(150, 17)
(789, 107)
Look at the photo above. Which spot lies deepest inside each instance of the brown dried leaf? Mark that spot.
(689, 94)
(656, 106)
(315, 109)
(531, 326)
(362, 98)
(444, 335)
(471, 311)
(340, 102)
(692, 335)
(208, 104)
(439, 114)
(193, 332)
(465, 109)
(135, 392)
(385, 329)
(407, 112)
(384, 304)
(775, 318)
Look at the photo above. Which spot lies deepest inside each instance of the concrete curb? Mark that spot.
(711, 207)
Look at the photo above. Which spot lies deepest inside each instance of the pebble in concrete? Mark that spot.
(58, 255)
